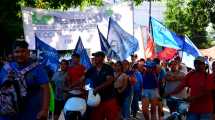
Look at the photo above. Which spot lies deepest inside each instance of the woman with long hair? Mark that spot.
(120, 84)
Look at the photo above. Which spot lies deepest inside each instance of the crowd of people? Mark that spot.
(122, 85)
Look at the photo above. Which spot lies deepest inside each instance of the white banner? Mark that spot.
(61, 29)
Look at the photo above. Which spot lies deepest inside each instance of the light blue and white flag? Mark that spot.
(123, 43)
(189, 57)
(106, 48)
(166, 38)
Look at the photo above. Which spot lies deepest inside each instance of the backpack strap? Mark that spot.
(29, 68)
(26, 69)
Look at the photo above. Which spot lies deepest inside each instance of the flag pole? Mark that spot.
(150, 11)
(133, 17)
(150, 25)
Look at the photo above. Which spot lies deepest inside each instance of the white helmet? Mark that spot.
(93, 100)
(75, 104)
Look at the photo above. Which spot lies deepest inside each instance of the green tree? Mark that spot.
(10, 24)
(191, 17)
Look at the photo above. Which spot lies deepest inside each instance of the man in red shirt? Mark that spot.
(76, 72)
(201, 103)
(212, 77)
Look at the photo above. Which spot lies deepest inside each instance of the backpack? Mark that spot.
(13, 91)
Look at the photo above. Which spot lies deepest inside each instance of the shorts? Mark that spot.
(172, 105)
(150, 93)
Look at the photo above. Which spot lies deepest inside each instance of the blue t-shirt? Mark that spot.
(59, 78)
(150, 81)
(138, 84)
(34, 79)
(162, 74)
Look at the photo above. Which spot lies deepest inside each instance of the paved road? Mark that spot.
(140, 114)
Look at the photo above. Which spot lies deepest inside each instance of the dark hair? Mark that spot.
(156, 61)
(135, 66)
(134, 55)
(120, 63)
(21, 44)
(75, 55)
(142, 60)
(125, 61)
(65, 61)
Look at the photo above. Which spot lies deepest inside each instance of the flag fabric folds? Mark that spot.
(120, 41)
(164, 37)
(189, 53)
(167, 53)
(84, 58)
(47, 55)
(150, 48)
(106, 48)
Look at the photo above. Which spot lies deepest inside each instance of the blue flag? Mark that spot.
(166, 38)
(84, 58)
(47, 55)
(120, 41)
(106, 48)
(189, 57)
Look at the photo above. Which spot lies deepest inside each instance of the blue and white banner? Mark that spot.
(106, 48)
(123, 43)
(61, 29)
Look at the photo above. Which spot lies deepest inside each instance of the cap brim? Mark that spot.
(94, 54)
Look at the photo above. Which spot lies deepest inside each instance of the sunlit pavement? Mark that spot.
(140, 114)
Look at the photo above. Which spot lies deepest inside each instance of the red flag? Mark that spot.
(150, 48)
(167, 53)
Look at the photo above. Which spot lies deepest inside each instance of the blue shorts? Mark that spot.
(150, 93)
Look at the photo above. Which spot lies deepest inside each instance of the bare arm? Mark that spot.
(43, 114)
(125, 84)
(180, 87)
(46, 96)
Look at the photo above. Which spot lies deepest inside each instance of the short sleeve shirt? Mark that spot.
(34, 79)
(59, 78)
(198, 83)
(75, 73)
(99, 77)
(36, 76)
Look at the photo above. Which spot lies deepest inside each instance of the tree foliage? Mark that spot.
(191, 17)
